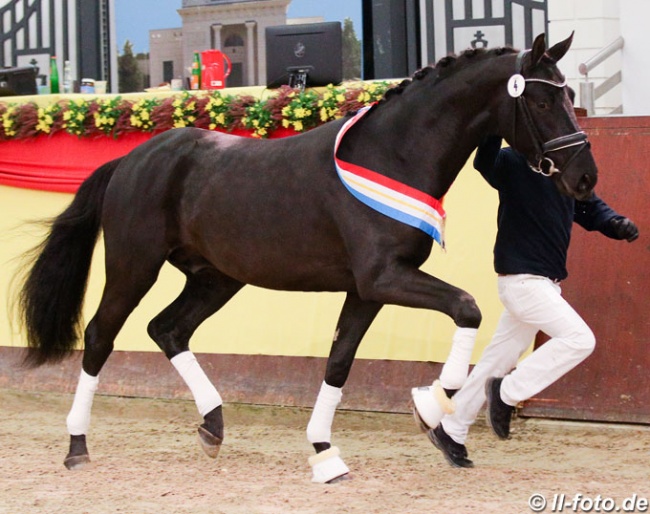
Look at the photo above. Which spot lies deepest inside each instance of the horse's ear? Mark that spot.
(557, 51)
(538, 50)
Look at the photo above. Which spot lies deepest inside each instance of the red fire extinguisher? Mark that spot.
(214, 69)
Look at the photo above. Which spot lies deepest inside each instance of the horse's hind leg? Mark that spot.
(125, 287)
(354, 320)
(205, 292)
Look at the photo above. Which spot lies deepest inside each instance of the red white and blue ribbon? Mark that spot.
(390, 197)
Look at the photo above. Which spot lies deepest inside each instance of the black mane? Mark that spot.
(446, 66)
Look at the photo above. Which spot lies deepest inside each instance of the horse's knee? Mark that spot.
(466, 313)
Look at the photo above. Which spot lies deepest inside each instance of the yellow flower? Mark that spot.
(300, 112)
(298, 126)
(43, 127)
(144, 115)
(212, 126)
(285, 123)
(177, 103)
(135, 121)
(80, 117)
(67, 115)
(221, 119)
(323, 115)
(340, 98)
(178, 112)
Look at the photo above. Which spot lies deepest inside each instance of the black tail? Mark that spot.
(52, 294)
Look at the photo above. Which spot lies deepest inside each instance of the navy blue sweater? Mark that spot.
(534, 220)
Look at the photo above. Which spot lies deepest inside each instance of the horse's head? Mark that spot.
(545, 128)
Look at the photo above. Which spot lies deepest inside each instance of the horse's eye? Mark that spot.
(542, 106)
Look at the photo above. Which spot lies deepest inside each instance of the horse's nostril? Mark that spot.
(585, 184)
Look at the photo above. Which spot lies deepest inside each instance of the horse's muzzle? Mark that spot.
(582, 190)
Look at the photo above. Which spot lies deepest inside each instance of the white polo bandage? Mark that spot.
(78, 420)
(456, 369)
(205, 395)
(319, 429)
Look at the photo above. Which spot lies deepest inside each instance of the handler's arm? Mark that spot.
(595, 214)
(488, 160)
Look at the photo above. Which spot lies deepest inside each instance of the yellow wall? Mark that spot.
(264, 322)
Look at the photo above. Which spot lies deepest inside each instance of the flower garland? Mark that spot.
(215, 110)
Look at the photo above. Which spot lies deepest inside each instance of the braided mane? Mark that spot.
(447, 66)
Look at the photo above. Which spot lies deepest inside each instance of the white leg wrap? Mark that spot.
(432, 404)
(205, 394)
(327, 466)
(319, 429)
(78, 419)
(456, 369)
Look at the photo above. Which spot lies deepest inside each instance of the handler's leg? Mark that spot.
(572, 341)
(510, 340)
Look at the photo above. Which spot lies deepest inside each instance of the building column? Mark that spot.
(250, 52)
(216, 35)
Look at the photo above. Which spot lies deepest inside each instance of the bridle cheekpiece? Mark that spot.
(516, 87)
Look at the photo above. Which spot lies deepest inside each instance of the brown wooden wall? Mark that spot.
(609, 285)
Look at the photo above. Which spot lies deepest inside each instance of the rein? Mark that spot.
(516, 87)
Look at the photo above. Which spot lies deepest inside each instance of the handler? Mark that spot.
(534, 229)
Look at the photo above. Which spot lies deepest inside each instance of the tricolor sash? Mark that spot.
(390, 197)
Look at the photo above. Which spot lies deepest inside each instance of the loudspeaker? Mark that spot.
(18, 81)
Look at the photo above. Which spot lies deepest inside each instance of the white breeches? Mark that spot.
(532, 303)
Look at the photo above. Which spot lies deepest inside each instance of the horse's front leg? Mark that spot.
(354, 320)
(411, 287)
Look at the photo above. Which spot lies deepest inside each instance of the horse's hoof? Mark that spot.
(210, 443)
(342, 478)
(419, 421)
(328, 467)
(73, 462)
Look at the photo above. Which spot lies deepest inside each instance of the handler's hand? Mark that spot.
(625, 229)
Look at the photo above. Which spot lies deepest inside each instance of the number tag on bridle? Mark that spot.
(516, 85)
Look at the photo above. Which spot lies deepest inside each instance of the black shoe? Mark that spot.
(497, 413)
(455, 453)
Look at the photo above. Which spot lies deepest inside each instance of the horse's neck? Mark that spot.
(427, 133)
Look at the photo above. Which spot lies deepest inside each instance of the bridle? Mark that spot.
(578, 139)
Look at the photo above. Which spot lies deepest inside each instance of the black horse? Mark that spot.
(229, 211)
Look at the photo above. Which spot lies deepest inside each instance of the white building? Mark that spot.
(236, 28)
